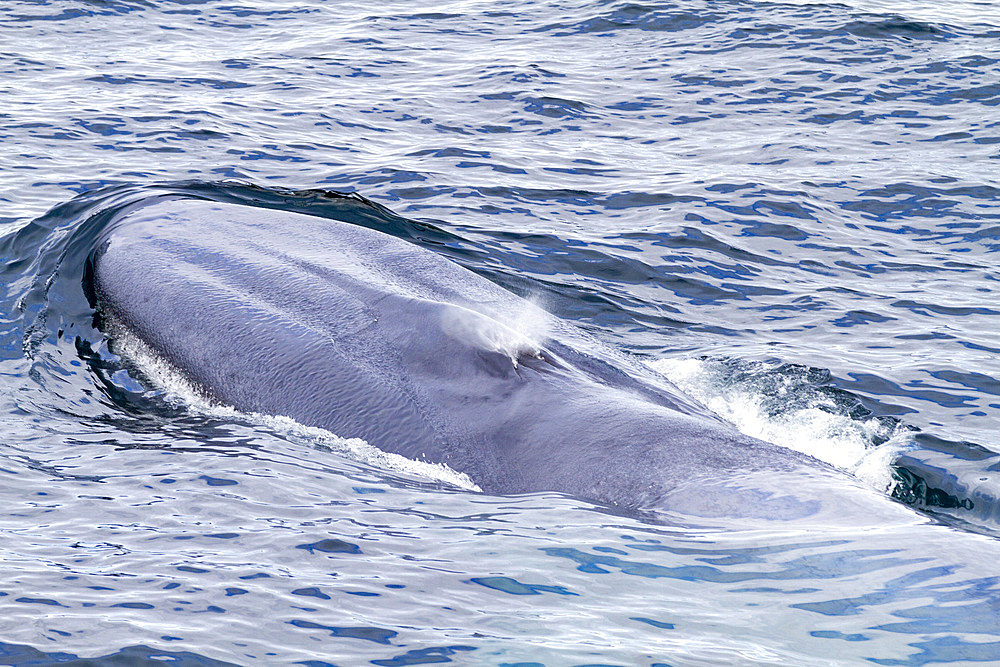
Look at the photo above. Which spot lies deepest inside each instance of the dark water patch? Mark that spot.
(818, 566)
(896, 28)
(628, 16)
(656, 624)
(216, 481)
(874, 385)
(977, 381)
(119, 80)
(913, 489)
(89, 8)
(950, 311)
(946, 650)
(311, 592)
(19, 655)
(640, 199)
(554, 107)
(514, 587)
(900, 201)
(425, 656)
(914, 586)
(375, 635)
(45, 601)
(331, 546)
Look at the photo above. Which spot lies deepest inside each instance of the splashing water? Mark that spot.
(778, 407)
(521, 335)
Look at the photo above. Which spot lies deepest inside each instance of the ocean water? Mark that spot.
(789, 209)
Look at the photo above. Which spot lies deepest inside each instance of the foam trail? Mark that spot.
(179, 390)
(816, 428)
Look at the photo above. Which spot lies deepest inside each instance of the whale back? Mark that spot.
(370, 336)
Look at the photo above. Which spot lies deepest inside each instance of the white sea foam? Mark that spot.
(816, 429)
(177, 389)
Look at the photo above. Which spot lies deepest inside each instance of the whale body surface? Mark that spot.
(367, 335)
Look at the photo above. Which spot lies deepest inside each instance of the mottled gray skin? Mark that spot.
(369, 336)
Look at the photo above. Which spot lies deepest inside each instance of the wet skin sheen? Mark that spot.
(366, 335)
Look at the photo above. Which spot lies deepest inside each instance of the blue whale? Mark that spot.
(366, 335)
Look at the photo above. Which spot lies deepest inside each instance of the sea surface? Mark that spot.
(789, 209)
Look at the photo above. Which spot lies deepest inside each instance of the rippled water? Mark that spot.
(789, 209)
